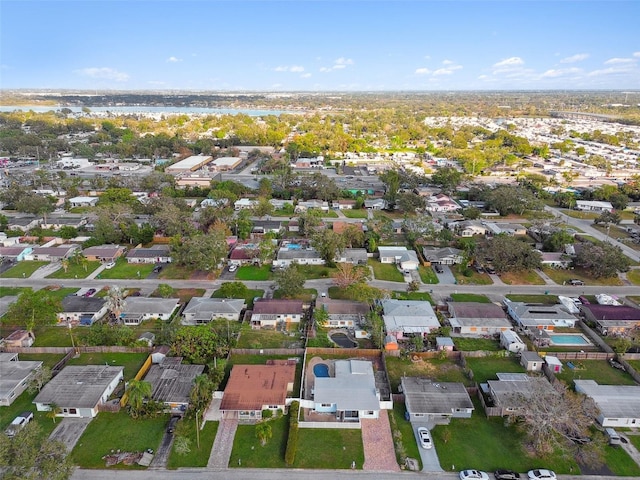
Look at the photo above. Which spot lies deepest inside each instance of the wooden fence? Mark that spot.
(267, 351)
(65, 350)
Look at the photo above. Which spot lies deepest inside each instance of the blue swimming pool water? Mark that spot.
(321, 370)
(294, 246)
(568, 339)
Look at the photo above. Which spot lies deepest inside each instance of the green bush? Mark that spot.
(267, 414)
(292, 441)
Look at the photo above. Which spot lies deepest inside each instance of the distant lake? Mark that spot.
(140, 109)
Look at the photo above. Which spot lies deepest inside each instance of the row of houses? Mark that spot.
(55, 252)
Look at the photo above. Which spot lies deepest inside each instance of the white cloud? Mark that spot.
(296, 69)
(509, 62)
(289, 68)
(344, 61)
(422, 71)
(578, 57)
(104, 73)
(173, 60)
(561, 72)
(448, 62)
(636, 54)
(339, 64)
(448, 70)
(305, 75)
(617, 61)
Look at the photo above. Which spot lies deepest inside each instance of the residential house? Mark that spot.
(356, 256)
(52, 254)
(56, 222)
(302, 256)
(153, 254)
(244, 203)
(555, 259)
(401, 256)
(343, 204)
(343, 313)
(439, 402)
(214, 202)
(138, 309)
(83, 202)
(17, 252)
(375, 204)
(441, 203)
(280, 204)
(82, 310)
(171, 382)
(251, 389)
(22, 223)
(612, 319)
(350, 394)
(511, 341)
(511, 229)
(470, 228)
(442, 256)
(305, 205)
(408, 318)
(593, 206)
(103, 253)
(267, 226)
(531, 361)
(19, 338)
(271, 313)
(203, 310)
(473, 318)
(619, 405)
(79, 390)
(513, 391)
(15, 376)
(537, 316)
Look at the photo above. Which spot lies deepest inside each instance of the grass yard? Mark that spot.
(619, 461)
(75, 270)
(598, 370)
(11, 291)
(184, 294)
(329, 214)
(197, 457)
(47, 359)
(427, 275)
(386, 271)
(523, 277)
(251, 294)
(485, 368)
(250, 338)
(249, 272)
(435, 368)
(339, 448)
(124, 270)
(249, 453)
(316, 271)
(634, 276)
(174, 271)
(130, 361)
(494, 446)
(562, 276)
(307, 294)
(117, 431)
(474, 277)
(470, 297)
(61, 292)
(412, 296)
(402, 432)
(469, 344)
(544, 299)
(579, 214)
(23, 269)
(355, 213)
(634, 298)
(21, 404)
(55, 336)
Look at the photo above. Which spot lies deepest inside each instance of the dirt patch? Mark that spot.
(202, 275)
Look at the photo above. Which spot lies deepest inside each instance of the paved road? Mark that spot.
(280, 474)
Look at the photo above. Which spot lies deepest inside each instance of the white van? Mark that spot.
(614, 438)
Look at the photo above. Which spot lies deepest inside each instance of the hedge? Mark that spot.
(292, 441)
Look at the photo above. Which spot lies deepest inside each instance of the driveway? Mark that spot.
(377, 441)
(430, 460)
(226, 275)
(69, 431)
(446, 277)
(46, 270)
(161, 456)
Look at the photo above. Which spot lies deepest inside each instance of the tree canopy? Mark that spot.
(33, 309)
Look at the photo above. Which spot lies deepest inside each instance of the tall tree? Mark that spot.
(33, 309)
(290, 281)
(348, 274)
(391, 179)
(447, 177)
(328, 244)
(602, 260)
(137, 392)
(510, 254)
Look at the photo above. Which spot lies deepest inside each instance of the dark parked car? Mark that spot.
(575, 282)
(502, 474)
(439, 269)
(171, 427)
(89, 292)
(157, 268)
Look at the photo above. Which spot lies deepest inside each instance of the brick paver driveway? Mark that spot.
(379, 453)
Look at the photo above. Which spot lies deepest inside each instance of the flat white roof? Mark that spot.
(191, 162)
(226, 161)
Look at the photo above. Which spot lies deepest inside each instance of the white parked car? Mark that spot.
(18, 423)
(473, 475)
(425, 438)
(110, 265)
(541, 474)
(233, 268)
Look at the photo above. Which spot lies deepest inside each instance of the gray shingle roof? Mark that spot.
(424, 396)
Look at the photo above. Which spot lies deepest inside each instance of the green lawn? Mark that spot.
(427, 275)
(47, 359)
(75, 270)
(117, 431)
(316, 271)
(355, 213)
(11, 291)
(251, 294)
(470, 344)
(562, 276)
(249, 272)
(435, 368)
(61, 292)
(249, 453)
(339, 448)
(307, 294)
(579, 214)
(412, 296)
(469, 297)
(174, 271)
(24, 403)
(473, 278)
(598, 370)
(386, 271)
(634, 276)
(545, 299)
(329, 214)
(55, 336)
(130, 361)
(197, 457)
(124, 270)
(523, 277)
(250, 338)
(619, 461)
(485, 368)
(23, 269)
(487, 444)
(403, 435)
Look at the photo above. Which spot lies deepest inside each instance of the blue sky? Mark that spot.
(319, 45)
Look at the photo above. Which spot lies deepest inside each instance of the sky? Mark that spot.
(307, 45)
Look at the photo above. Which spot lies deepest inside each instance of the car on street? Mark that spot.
(425, 437)
(19, 423)
(473, 475)
(233, 268)
(574, 282)
(502, 474)
(541, 474)
(110, 265)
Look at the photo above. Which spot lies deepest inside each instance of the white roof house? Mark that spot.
(189, 164)
(83, 201)
(593, 206)
(408, 317)
(203, 310)
(619, 404)
(138, 309)
(407, 259)
(14, 377)
(535, 316)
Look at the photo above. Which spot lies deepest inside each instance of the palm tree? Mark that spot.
(115, 301)
(137, 392)
(263, 433)
(65, 264)
(54, 411)
(201, 392)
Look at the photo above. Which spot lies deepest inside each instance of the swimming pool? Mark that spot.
(321, 370)
(568, 339)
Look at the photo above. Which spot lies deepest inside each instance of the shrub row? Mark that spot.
(292, 441)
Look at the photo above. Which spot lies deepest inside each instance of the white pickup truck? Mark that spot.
(18, 423)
